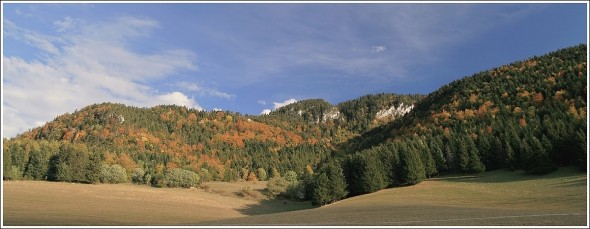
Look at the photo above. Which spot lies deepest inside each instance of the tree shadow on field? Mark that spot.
(269, 206)
(504, 176)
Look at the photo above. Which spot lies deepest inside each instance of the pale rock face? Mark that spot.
(394, 111)
(334, 113)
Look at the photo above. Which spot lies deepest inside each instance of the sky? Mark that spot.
(254, 58)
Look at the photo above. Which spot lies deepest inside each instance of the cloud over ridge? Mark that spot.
(84, 65)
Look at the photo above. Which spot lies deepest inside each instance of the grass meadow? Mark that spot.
(497, 198)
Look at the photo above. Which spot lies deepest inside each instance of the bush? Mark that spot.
(261, 174)
(277, 186)
(296, 191)
(248, 192)
(137, 176)
(13, 173)
(112, 174)
(291, 176)
(252, 177)
(181, 178)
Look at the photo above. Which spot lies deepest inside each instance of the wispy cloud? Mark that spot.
(89, 64)
(67, 23)
(378, 49)
(343, 39)
(40, 41)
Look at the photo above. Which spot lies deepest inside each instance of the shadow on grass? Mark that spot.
(269, 206)
(502, 176)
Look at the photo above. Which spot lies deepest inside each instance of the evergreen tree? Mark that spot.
(37, 166)
(364, 174)
(93, 168)
(411, 168)
(329, 185)
(463, 154)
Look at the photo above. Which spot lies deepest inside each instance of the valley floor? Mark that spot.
(493, 199)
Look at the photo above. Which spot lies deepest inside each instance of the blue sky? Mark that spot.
(254, 57)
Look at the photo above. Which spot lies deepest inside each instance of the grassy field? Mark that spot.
(493, 199)
(58, 203)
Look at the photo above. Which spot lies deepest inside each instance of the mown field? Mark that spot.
(493, 199)
(57, 203)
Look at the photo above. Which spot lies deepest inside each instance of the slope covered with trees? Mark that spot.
(527, 115)
(92, 144)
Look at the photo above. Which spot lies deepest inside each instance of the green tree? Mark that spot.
(261, 174)
(113, 174)
(290, 176)
(364, 174)
(181, 178)
(463, 154)
(276, 186)
(93, 168)
(137, 176)
(329, 185)
(411, 168)
(37, 166)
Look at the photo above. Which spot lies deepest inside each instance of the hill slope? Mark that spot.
(498, 198)
(217, 145)
(527, 115)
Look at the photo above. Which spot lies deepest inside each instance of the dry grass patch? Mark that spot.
(497, 198)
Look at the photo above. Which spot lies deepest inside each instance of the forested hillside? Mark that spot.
(527, 115)
(146, 143)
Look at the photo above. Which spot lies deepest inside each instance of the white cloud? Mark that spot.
(262, 102)
(284, 103)
(204, 91)
(90, 64)
(176, 98)
(277, 105)
(378, 49)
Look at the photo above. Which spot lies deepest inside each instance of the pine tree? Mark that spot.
(463, 154)
(411, 168)
(37, 166)
(329, 185)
